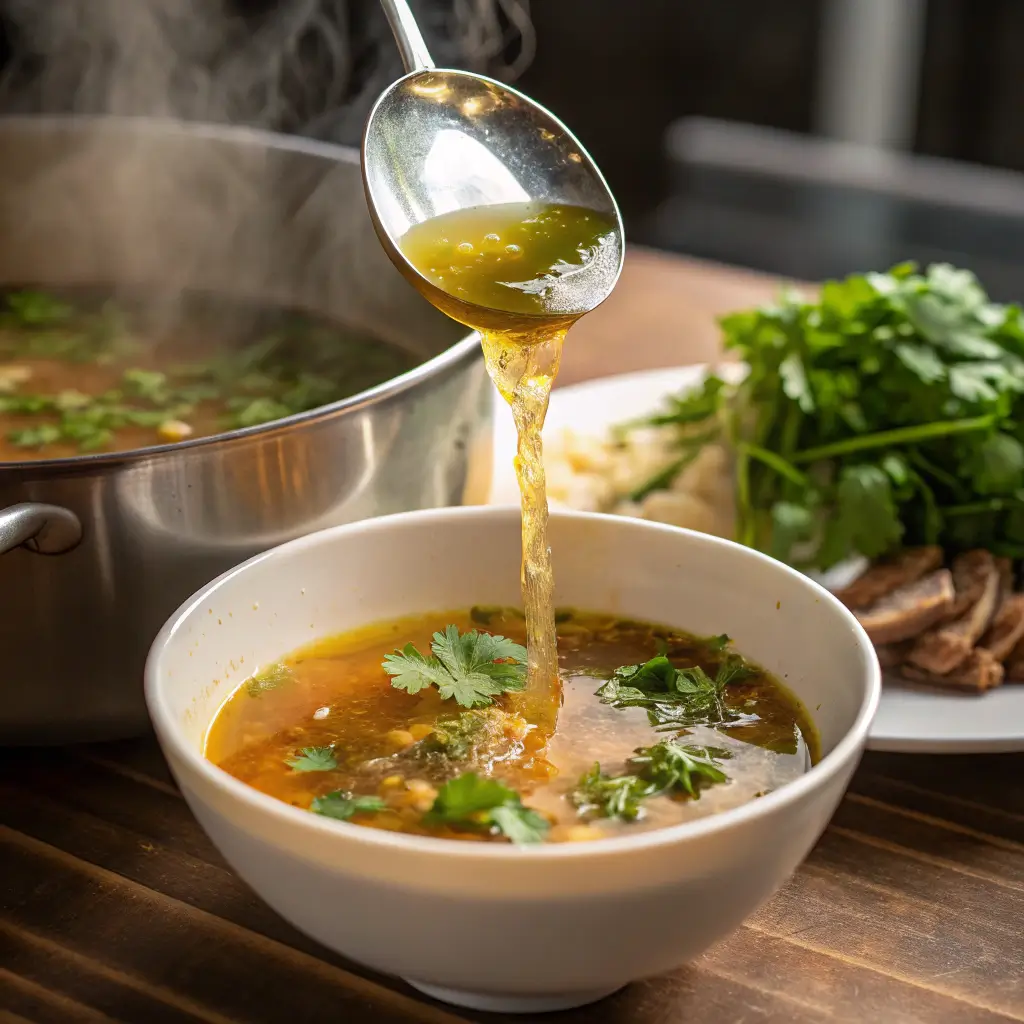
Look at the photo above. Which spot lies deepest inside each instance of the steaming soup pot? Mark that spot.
(98, 550)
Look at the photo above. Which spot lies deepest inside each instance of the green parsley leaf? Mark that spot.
(998, 465)
(609, 796)
(37, 309)
(671, 766)
(672, 696)
(454, 738)
(342, 805)
(473, 668)
(314, 759)
(268, 678)
(472, 802)
(667, 768)
(870, 416)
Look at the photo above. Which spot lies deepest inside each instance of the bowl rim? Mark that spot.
(170, 735)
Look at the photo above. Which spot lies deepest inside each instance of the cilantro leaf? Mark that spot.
(670, 766)
(314, 759)
(998, 465)
(475, 803)
(522, 825)
(268, 678)
(911, 369)
(454, 738)
(675, 696)
(473, 668)
(412, 672)
(667, 768)
(342, 805)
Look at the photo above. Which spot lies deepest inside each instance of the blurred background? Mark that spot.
(809, 138)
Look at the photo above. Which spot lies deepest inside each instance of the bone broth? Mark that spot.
(414, 726)
(522, 274)
(82, 373)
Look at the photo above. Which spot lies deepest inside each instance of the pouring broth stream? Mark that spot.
(522, 274)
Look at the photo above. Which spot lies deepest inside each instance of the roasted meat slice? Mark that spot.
(1006, 629)
(893, 655)
(942, 648)
(1015, 663)
(972, 574)
(977, 673)
(910, 609)
(884, 577)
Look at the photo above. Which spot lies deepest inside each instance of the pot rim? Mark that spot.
(437, 365)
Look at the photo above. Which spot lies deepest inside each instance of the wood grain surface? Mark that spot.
(115, 907)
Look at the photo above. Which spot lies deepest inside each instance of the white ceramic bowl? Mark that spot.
(493, 926)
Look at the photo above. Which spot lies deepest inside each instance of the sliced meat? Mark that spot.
(1015, 670)
(1006, 629)
(893, 655)
(977, 673)
(972, 573)
(941, 649)
(884, 577)
(1015, 663)
(909, 609)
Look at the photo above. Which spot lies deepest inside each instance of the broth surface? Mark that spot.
(535, 268)
(335, 694)
(80, 373)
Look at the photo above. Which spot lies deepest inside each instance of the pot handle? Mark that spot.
(45, 529)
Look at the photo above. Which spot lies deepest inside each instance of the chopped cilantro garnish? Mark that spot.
(301, 366)
(668, 768)
(343, 805)
(268, 678)
(453, 738)
(473, 668)
(314, 759)
(475, 803)
(36, 309)
(675, 696)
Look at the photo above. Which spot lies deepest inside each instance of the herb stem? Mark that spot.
(971, 508)
(893, 438)
(776, 462)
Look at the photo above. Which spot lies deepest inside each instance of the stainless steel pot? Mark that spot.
(102, 548)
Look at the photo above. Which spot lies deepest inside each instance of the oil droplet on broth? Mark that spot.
(522, 274)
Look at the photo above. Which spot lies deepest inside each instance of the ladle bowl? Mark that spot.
(438, 141)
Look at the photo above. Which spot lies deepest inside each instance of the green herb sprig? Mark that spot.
(313, 759)
(888, 411)
(472, 668)
(677, 697)
(342, 805)
(479, 804)
(667, 768)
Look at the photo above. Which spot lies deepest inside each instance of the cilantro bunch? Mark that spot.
(888, 412)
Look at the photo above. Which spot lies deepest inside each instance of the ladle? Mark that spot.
(441, 140)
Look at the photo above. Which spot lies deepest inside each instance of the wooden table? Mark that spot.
(114, 906)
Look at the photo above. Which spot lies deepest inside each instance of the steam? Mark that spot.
(170, 212)
(304, 66)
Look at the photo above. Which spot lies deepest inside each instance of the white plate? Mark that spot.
(908, 721)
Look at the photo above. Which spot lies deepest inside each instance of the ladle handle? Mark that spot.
(415, 54)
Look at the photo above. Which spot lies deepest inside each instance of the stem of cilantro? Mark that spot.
(971, 508)
(773, 461)
(894, 438)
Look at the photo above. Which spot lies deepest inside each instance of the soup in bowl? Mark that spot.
(347, 717)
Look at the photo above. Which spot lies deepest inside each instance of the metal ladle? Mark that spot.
(439, 140)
